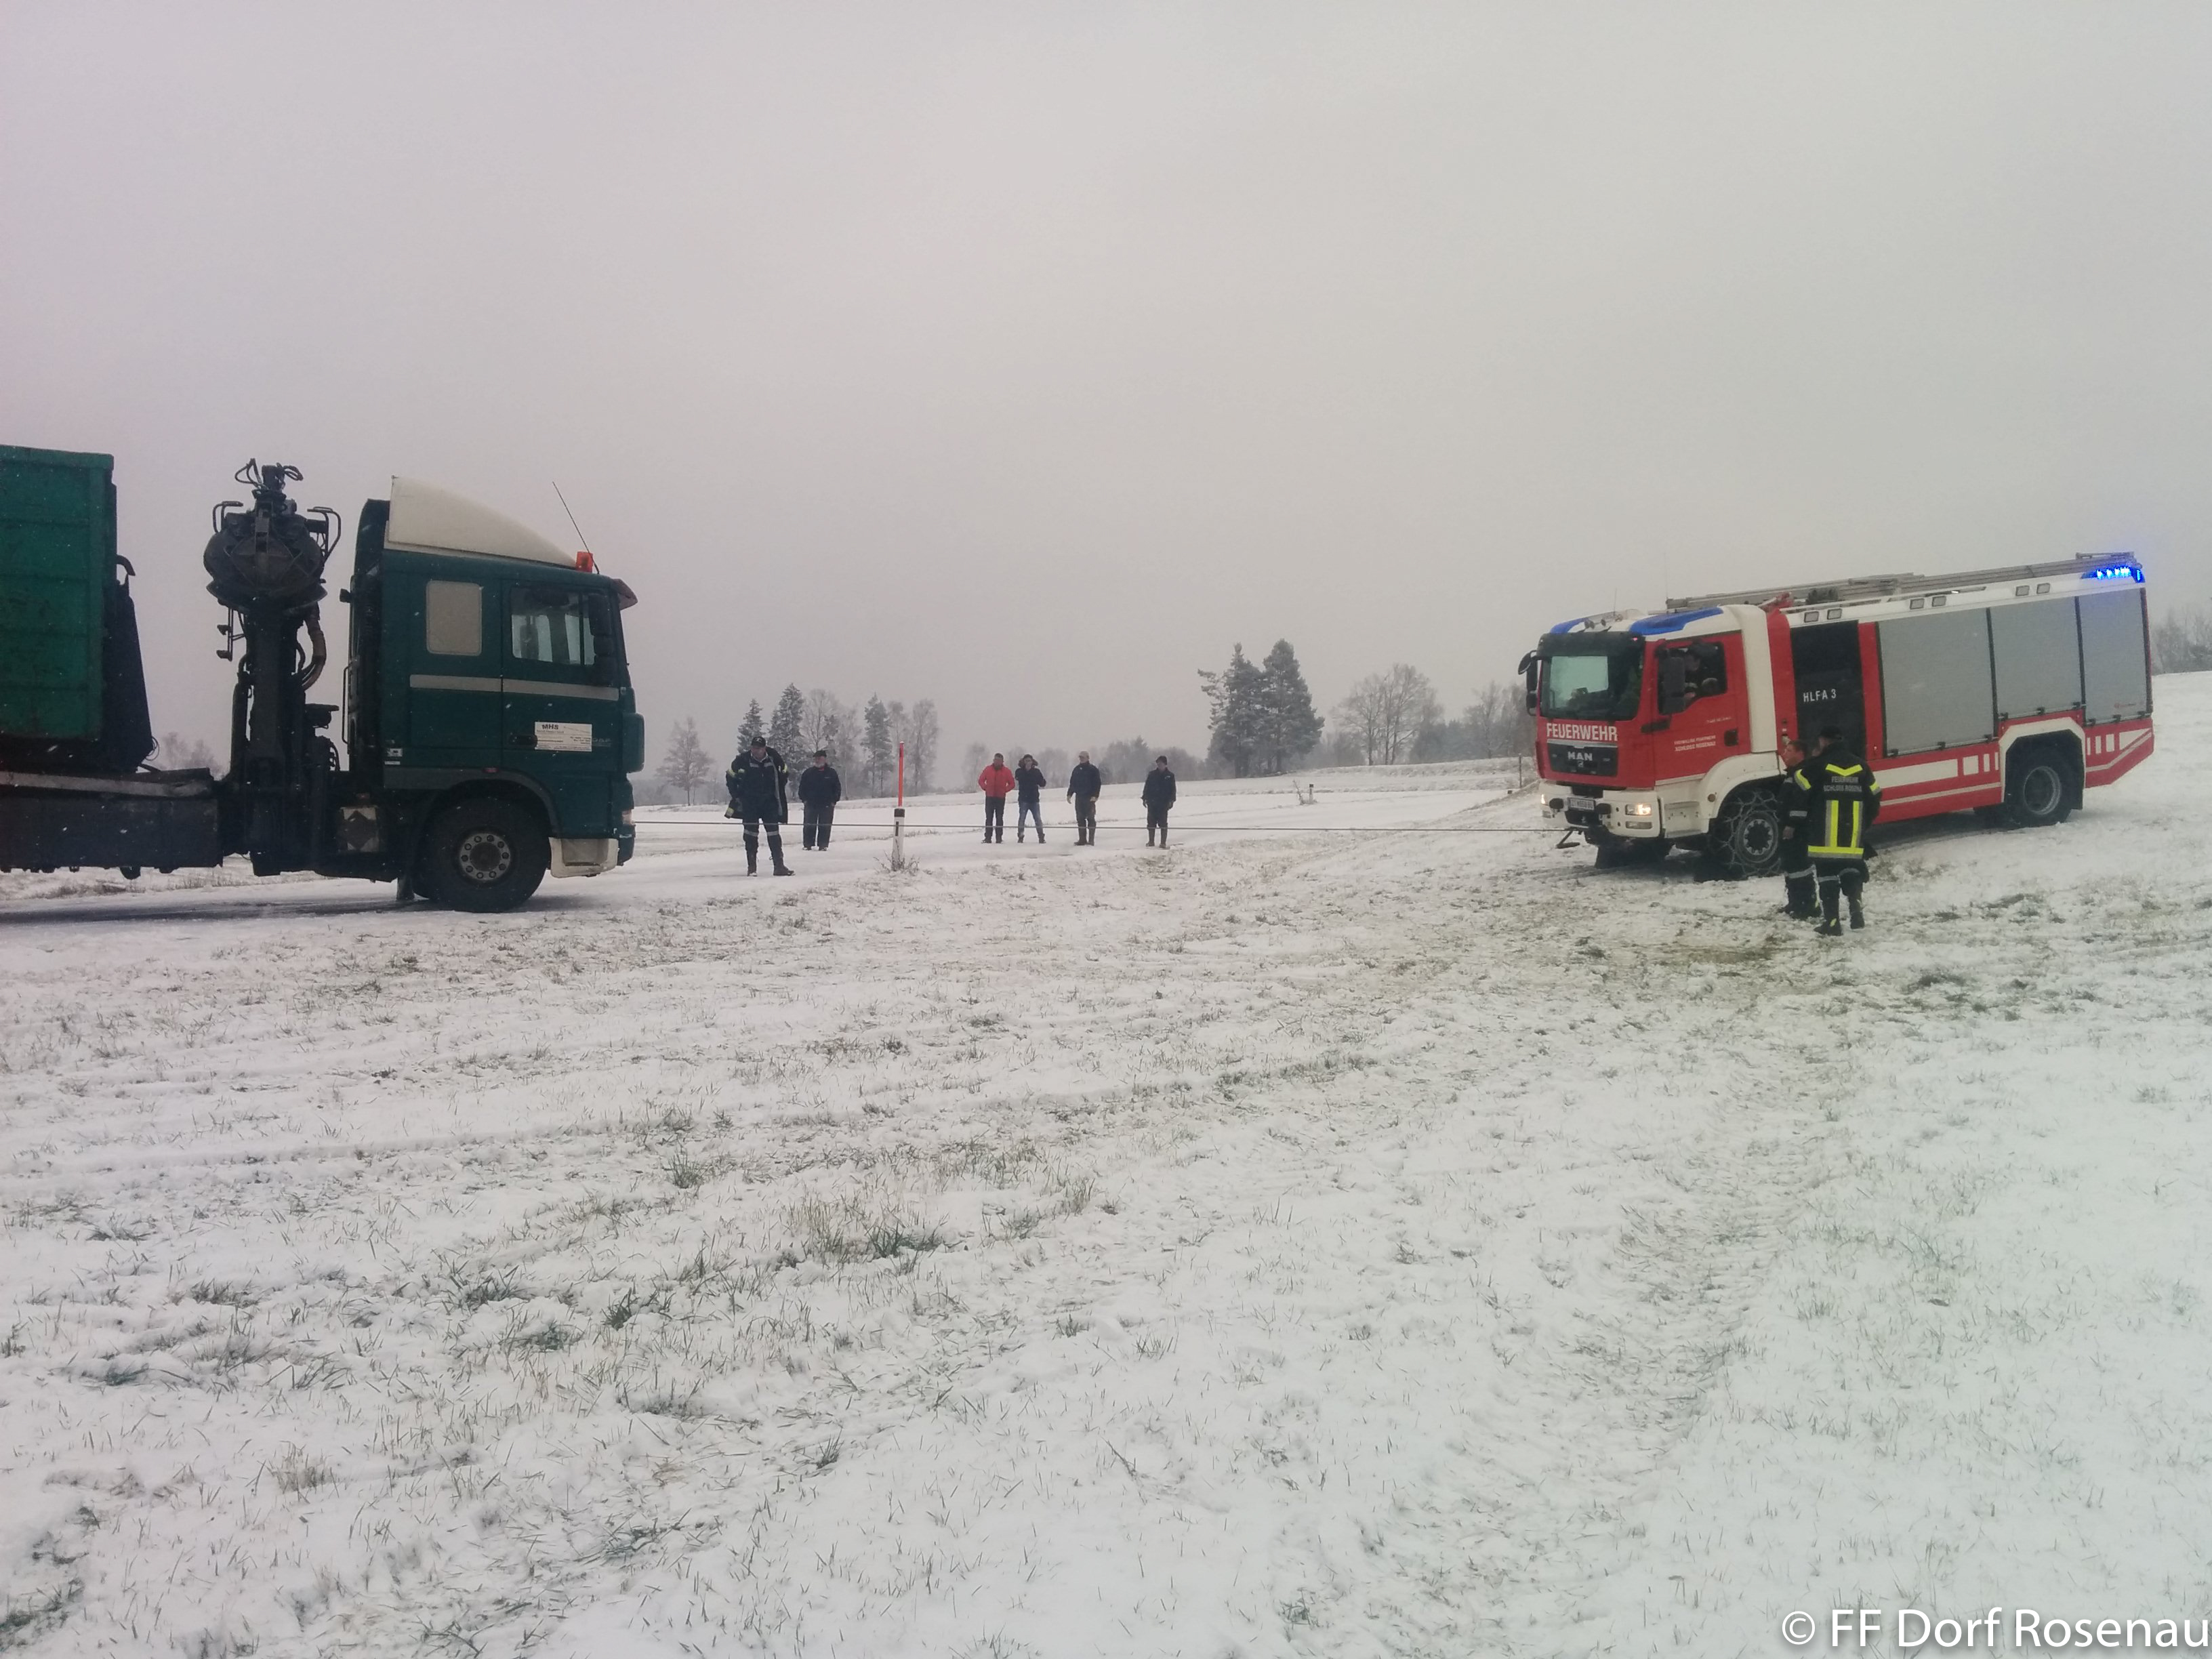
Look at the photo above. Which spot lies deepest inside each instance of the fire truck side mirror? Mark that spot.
(1528, 682)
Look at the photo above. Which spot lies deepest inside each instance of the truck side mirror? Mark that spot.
(1528, 666)
(1674, 693)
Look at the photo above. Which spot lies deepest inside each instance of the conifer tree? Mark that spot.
(1239, 708)
(753, 725)
(875, 737)
(1289, 727)
(786, 728)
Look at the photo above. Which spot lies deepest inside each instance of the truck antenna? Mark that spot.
(573, 525)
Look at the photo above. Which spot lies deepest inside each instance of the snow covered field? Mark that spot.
(1297, 1243)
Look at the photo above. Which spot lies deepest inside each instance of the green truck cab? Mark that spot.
(488, 717)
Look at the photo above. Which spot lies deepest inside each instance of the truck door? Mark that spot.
(449, 644)
(1831, 682)
(564, 710)
(1701, 699)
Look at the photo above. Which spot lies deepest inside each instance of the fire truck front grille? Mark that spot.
(1598, 760)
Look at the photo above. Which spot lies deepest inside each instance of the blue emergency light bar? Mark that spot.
(2126, 570)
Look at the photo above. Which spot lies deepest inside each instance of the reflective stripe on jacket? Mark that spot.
(1833, 798)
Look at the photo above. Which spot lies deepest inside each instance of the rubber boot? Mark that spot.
(1803, 898)
(1858, 916)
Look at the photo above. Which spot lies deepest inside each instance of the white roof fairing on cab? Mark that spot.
(426, 519)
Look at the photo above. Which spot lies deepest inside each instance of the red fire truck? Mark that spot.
(2009, 691)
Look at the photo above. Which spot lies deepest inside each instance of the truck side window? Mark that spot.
(1687, 672)
(547, 625)
(452, 618)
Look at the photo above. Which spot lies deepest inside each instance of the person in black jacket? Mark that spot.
(1159, 795)
(820, 789)
(1029, 784)
(1798, 887)
(1084, 784)
(1832, 804)
(756, 781)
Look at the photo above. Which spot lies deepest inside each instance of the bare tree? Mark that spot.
(182, 754)
(687, 765)
(916, 728)
(2181, 643)
(1388, 712)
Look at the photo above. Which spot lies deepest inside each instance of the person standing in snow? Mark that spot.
(1084, 784)
(820, 789)
(1159, 795)
(756, 780)
(1832, 804)
(996, 783)
(1798, 887)
(1030, 804)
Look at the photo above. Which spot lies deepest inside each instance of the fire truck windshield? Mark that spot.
(1592, 677)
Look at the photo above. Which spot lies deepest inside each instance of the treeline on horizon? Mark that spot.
(1261, 720)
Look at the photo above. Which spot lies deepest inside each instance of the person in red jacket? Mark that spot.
(996, 783)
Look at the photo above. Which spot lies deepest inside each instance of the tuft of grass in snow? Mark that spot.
(864, 1226)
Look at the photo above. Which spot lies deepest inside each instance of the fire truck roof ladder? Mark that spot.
(1882, 588)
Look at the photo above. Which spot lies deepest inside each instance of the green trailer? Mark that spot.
(72, 692)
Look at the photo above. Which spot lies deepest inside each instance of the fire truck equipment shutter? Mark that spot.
(2039, 658)
(2115, 663)
(1935, 682)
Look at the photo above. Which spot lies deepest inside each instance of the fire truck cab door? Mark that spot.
(1700, 697)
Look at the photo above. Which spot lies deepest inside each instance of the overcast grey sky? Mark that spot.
(1027, 356)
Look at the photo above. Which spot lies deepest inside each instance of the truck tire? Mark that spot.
(1747, 835)
(2038, 787)
(487, 854)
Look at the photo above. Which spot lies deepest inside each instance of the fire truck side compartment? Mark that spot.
(2038, 651)
(1936, 683)
(2115, 657)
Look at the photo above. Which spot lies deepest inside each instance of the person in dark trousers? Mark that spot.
(1084, 784)
(996, 783)
(1801, 901)
(756, 781)
(1159, 795)
(819, 791)
(1028, 779)
(1832, 804)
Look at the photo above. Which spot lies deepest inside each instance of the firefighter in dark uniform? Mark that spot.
(756, 781)
(1798, 886)
(1832, 804)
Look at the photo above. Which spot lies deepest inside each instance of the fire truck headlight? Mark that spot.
(1640, 810)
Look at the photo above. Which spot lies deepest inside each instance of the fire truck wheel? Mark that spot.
(1746, 837)
(2036, 792)
(484, 855)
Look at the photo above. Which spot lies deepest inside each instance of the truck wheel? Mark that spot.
(1746, 837)
(2036, 788)
(484, 855)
